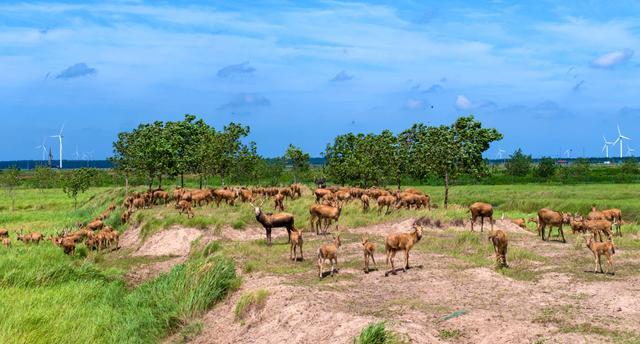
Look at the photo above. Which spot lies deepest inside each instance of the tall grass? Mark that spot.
(376, 333)
(101, 311)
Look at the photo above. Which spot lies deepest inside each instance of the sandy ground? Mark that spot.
(493, 308)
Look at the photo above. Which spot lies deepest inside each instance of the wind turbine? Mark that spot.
(44, 149)
(619, 139)
(499, 155)
(630, 151)
(568, 153)
(77, 154)
(605, 148)
(60, 136)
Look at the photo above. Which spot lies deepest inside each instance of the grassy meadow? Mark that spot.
(49, 297)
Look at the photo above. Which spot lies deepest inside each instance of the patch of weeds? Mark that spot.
(449, 334)
(238, 224)
(211, 248)
(377, 333)
(558, 315)
(588, 328)
(190, 331)
(255, 300)
(250, 266)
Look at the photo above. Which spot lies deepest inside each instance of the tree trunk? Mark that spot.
(151, 182)
(182, 181)
(200, 181)
(398, 181)
(222, 178)
(126, 184)
(159, 182)
(446, 189)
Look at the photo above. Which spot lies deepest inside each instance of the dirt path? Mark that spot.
(492, 308)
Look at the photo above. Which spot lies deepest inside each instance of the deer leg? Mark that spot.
(301, 256)
(366, 262)
(406, 260)
(320, 262)
(491, 219)
(393, 268)
(374, 260)
(562, 233)
(269, 236)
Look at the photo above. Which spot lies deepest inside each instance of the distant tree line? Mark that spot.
(420, 152)
(193, 147)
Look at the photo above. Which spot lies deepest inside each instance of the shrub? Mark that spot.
(376, 334)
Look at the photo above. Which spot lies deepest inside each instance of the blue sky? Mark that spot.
(549, 76)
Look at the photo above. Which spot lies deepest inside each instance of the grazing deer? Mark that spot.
(328, 251)
(500, 243)
(368, 249)
(278, 201)
(481, 210)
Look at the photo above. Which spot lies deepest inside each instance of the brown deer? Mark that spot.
(385, 201)
(613, 215)
(278, 202)
(500, 243)
(481, 210)
(184, 207)
(551, 218)
(401, 241)
(328, 251)
(601, 248)
(322, 215)
(270, 221)
(368, 248)
(365, 203)
(296, 242)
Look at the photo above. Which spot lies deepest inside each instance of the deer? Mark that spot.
(185, 208)
(296, 190)
(552, 218)
(320, 213)
(368, 249)
(29, 238)
(278, 202)
(365, 203)
(6, 242)
(320, 193)
(500, 243)
(229, 196)
(401, 241)
(330, 252)
(296, 242)
(270, 221)
(4, 233)
(385, 201)
(160, 195)
(481, 210)
(601, 248)
(613, 215)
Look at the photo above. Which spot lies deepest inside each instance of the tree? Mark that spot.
(10, 180)
(225, 148)
(184, 137)
(43, 177)
(546, 167)
(76, 182)
(364, 159)
(518, 164)
(299, 160)
(449, 151)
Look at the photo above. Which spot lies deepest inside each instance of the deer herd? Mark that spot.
(597, 227)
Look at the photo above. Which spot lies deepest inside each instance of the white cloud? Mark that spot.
(463, 103)
(612, 59)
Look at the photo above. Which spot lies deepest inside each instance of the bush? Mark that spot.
(376, 334)
(546, 167)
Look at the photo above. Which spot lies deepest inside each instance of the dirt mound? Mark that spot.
(144, 272)
(169, 242)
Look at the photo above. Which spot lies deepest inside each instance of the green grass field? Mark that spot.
(48, 297)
